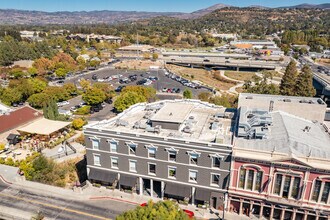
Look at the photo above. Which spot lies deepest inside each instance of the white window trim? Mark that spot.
(98, 140)
(168, 154)
(129, 148)
(113, 141)
(151, 146)
(168, 172)
(247, 170)
(193, 181)
(292, 176)
(193, 153)
(212, 184)
(116, 158)
(99, 155)
(129, 165)
(153, 174)
(321, 192)
(213, 156)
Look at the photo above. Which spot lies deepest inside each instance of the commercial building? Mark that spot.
(178, 149)
(281, 159)
(96, 37)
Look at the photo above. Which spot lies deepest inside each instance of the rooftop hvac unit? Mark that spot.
(120, 122)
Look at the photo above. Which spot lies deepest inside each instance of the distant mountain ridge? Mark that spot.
(13, 16)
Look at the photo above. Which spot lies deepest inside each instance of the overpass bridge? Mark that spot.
(221, 62)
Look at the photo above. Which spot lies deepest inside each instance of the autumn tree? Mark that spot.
(94, 96)
(288, 82)
(153, 211)
(42, 65)
(304, 84)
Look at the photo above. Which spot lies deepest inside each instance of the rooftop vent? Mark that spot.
(120, 122)
(307, 129)
(249, 97)
(155, 129)
(286, 100)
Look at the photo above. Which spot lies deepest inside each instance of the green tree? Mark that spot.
(94, 96)
(38, 100)
(152, 211)
(106, 88)
(38, 85)
(50, 110)
(61, 72)
(154, 56)
(148, 92)
(10, 96)
(78, 123)
(126, 99)
(187, 94)
(304, 84)
(94, 63)
(288, 82)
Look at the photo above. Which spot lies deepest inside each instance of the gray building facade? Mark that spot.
(188, 162)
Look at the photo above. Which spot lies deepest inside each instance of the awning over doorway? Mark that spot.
(127, 180)
(102, 175)
(177, 190)
(202, 194)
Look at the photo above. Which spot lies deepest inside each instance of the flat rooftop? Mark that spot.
(306, 107)
(199, 121)
(287, 134)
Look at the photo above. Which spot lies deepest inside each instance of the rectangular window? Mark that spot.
(278, 183)
(325, 193)
(286, 187)
(152, 152)
(193, 176)
(132, 165)
(113, 147)
(249, 183)
(97, 160)
(316, 192)
(172, 155)
(258, 181)
(216, 162)
(96, 144)
(152, 168)
(295, 188)
(132, 149)
(193, 159)
(242, 178)
(114, 162)
(215, 179)
(172, 172)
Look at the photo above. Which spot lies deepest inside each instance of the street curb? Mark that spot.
(4, 180)
(112, 198)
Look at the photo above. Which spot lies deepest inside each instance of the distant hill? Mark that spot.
(11, 16)
(310, 6)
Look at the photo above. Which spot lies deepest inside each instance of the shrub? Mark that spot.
(78, 123)
(85, 110)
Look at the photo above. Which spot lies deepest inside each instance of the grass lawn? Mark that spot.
(242, 76)
(137, 64)
(202, 75)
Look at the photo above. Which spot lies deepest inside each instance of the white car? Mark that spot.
(149, 82)
(100, 80)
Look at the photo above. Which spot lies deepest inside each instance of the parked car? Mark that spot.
(164, 90)
(119, 88)
(94, 77)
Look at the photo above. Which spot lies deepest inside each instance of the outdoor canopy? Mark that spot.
(43, 126)
(102, 175)
(127, 180)
(177, 189)
(202, 194)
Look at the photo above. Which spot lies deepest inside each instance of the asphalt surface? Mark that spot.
(59, 208)
(163, 82)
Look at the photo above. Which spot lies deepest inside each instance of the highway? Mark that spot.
(215, 61)
(52, 207)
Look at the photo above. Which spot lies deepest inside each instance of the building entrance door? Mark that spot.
(214, 202)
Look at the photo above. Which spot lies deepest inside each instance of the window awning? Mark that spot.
(127, 180)
(102, 175)
(202, 194)
(177, 190)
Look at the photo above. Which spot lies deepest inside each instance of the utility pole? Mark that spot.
(137, 44)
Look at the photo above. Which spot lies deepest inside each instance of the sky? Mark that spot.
(140, 5)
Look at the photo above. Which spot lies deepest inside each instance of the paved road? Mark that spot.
(53, 207)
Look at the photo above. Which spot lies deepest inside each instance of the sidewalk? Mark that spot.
(9, 174)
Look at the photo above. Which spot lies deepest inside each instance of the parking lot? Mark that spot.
(115, 76)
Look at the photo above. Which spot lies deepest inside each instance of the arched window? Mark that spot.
(250, 178)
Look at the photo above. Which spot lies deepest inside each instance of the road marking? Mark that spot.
(55, 207)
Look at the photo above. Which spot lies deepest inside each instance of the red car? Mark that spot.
(189, 213)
